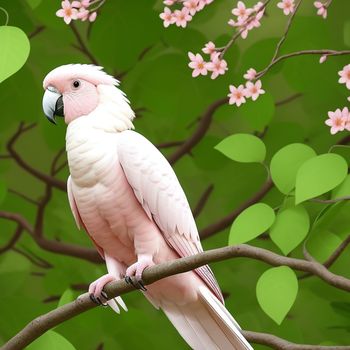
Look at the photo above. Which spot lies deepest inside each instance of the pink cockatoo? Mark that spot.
(126, 196)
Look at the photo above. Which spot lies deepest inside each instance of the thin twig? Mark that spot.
(199, 133)
(36, 31)
(203, 200)
(61, 185)
(228, 219)
(23, 196)
(82, 46)
(14, 239)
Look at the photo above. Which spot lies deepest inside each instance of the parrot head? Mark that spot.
(75, 90)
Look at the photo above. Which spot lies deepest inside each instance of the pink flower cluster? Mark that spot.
(247, 18)
(251, 90)
(217, 66)
(339, 120)
(287, 6)
(183, 14)
(321, 8)
(77, 10)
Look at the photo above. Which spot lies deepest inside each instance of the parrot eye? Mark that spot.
(76, 84)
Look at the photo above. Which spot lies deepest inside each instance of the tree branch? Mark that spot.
(199, 133)
(202, 201)
(277, 343)
(61, 185)
(43, 323)
(76, 251)
(82, 46)
(331, 260)
(227, 220)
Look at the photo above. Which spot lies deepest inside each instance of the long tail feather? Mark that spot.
(206, 324)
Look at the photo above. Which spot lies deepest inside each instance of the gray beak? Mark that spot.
(52, 104)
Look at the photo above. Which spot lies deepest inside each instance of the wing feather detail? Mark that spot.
(159, 192)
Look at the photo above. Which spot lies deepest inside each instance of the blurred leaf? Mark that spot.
(253, 221)
(15, 49)
(258, 113)
(34, 3)
(243, 148)
(322, 244)
(276, 291)
(286, 163)
(66, 297)
(342, 308)
(3, 191)
(319, 175)
(347, 33)
(51, 340)
(343, 190)
(115, 19)
(290, 228)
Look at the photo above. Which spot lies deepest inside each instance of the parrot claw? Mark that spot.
(97, 300)
(139, 285)
(104, 295)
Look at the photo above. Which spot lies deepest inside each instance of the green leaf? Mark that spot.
(253, 221)
(51, 340)
(343, 190)
(258, 113)
(15, 49)
(290, 228)
(276, 291)
(347, 33)
(66, 297)
(319, 175)
(243, 148)
(286, 163)
(322, 244)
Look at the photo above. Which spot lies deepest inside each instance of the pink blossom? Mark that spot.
(169, 2)
(209, 48)
(236, 95)
(250, 75)
(67, 12)
(83, 14)
(346, 115)
(85, 3)
(323, 58)
(345, 76)
(287, 6)
(321, 9)
(192, 6)
(217, 66)
(92, 17)
(167, 16)
(198, 64)
(337, 120)
(254, 90)
(76, 4)
(182, 17)
(241, 11)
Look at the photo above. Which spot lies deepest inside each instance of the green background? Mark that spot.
(129, 40)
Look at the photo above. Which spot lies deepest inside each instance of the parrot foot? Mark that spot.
(138, 285)
(96, 289)
(137, 269)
